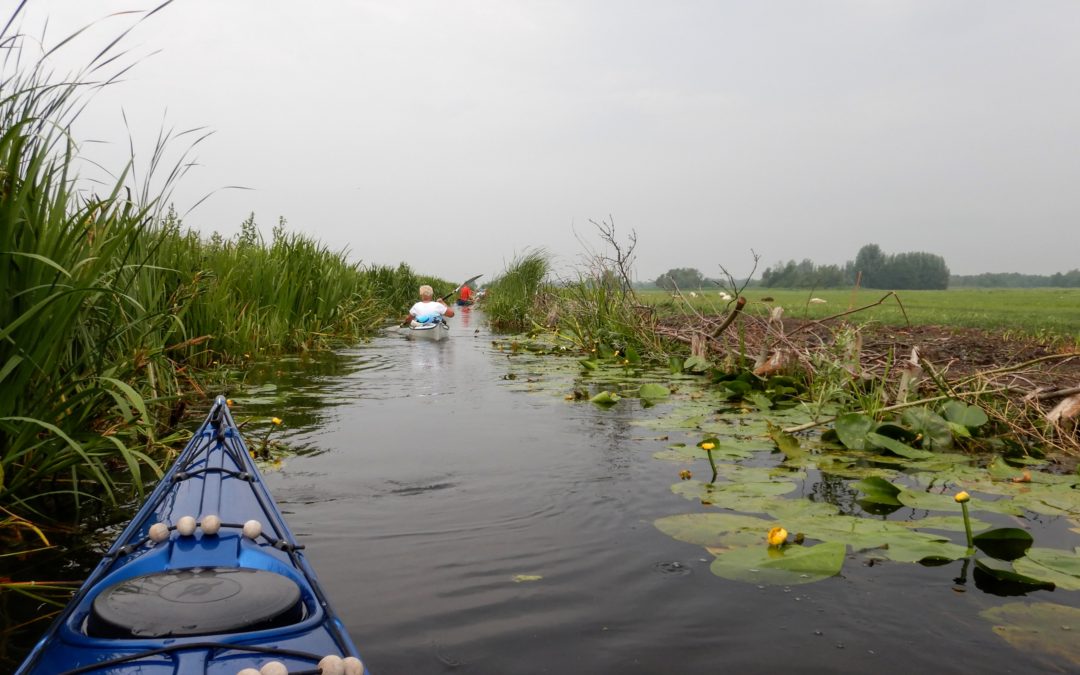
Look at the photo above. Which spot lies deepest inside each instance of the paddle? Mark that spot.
(460, 286)
(444, 297)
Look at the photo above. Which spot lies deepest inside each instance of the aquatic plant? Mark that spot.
(516, 298)
(113, 308)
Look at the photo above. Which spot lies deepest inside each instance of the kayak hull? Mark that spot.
(183, 625)
(433, 332)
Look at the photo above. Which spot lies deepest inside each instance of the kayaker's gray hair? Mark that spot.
(426, 292)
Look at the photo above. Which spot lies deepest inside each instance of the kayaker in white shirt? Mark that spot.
(427, 309)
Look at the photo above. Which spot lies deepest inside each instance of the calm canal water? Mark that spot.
(427, 482)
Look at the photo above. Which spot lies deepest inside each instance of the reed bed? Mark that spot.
(113, 310)
(517, 299)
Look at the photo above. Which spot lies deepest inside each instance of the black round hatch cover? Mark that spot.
(196, 601)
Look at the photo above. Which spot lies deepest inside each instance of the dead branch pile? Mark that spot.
(1031, 388)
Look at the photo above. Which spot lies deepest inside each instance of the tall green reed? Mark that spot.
(516, 299)
(111, 308)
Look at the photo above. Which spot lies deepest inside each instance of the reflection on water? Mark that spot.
(440, 486)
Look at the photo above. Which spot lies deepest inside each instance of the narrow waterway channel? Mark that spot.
(462, 524)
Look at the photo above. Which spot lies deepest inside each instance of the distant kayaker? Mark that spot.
(464, 297)
(427, 309)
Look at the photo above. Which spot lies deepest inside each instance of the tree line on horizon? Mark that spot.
(873, 268)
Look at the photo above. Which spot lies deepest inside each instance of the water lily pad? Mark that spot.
(652, 391)
(947, 523)
(1004, 543)
(747, 497)
(715, 530)
(877, 491)
(896, 447)
(696, 364)
(931, 501)
(1000, 578)
(605, 398)
(852, 429)
(522, 578)
(1038, 628)
(690, 453)
(787, 566)
(1062, 568)
(859, 533)
(1050, 500)
(969, 416)
(934, 430)
(760, 400)
(788, 444)
(924, 551)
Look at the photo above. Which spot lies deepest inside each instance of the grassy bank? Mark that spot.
(1038, 312)
(114, 311)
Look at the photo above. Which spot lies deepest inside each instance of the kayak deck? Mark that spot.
(437, 330)
(207, 578)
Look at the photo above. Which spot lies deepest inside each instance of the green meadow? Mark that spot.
(1052, 313)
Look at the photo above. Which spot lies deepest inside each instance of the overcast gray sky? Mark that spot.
(454, 134)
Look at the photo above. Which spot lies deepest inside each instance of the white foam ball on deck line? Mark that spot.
(186, 526)
(353, 666)
(211, 524)
(249, 671)
(159, 532)
(274, 668)
(252, 529)
(332, 664)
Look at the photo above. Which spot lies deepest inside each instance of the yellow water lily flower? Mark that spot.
(276, 421)
(962, 497)
(777, 536)
(229, 402)
(708, 446)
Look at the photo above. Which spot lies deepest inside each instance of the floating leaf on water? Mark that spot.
(1000, 470)
(968, 416)
(1061, 568)
(897, 432)
(589, 364)
(653, 391)
(760, 400)
(852, 429)
(878, 491)
(696, 364)
(605, 398)
(859, 533)
(947, 523)
(748, 497)
(1038, 628)
(788, 444)
(924, 551)
(931, 501)
(934, 430)
(522, 578)
(1049, 500)
(999, 578)
(1004, 543)
(724, 530)
(786, 566)
(896, 447)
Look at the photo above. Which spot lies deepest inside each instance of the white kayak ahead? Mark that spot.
(432, 330)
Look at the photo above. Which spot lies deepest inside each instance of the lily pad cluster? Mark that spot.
(776, 392)
(915, 433)
(912, 460)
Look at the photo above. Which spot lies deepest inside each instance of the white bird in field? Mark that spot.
(693, 294)
(724, 296)
(817, 301)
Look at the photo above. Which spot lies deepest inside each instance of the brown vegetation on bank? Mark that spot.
(1029, 386)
